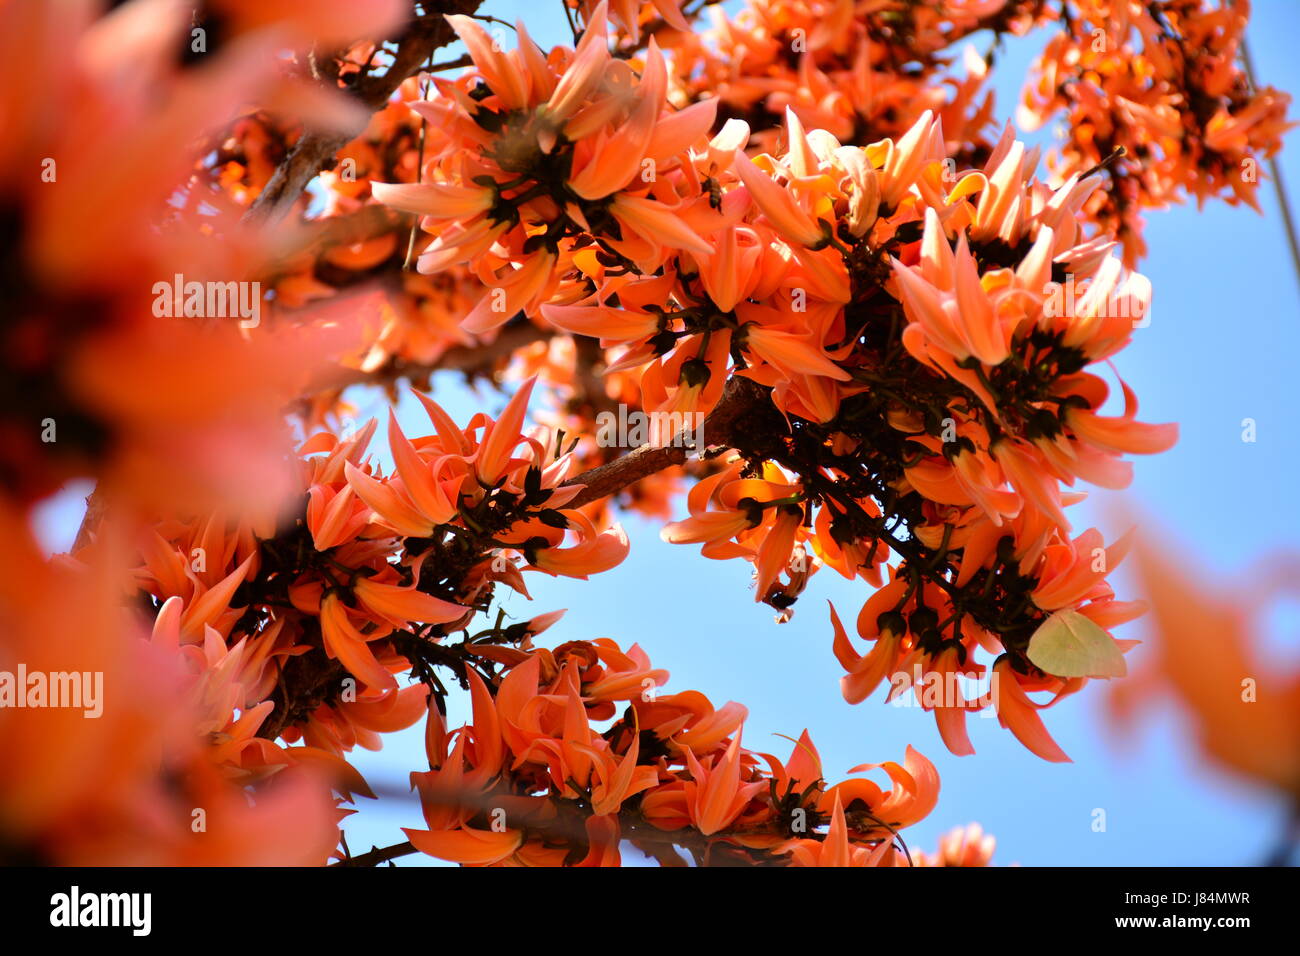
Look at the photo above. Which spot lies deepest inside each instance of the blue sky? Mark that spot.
(1220, 347)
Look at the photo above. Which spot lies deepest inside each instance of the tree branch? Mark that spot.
(478, 358)
(741, 397)
(95, 507)
(315, 149)
(377, 855)
(569, 824)
(319, 235)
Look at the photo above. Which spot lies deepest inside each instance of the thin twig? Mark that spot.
(1275, 170)
(377, 855)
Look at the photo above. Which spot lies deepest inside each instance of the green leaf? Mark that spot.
(1068, 644)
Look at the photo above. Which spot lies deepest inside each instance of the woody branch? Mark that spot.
(316, 149)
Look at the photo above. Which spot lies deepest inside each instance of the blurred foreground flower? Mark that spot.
(1207, 638)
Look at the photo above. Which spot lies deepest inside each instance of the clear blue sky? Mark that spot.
(1221, 346)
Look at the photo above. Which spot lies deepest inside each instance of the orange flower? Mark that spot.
(961, 846)
(1017, 712)
(833, 850)
(466, 846)
(345, 641)
(715, 795)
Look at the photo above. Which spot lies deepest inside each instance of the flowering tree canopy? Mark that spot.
(781, 278)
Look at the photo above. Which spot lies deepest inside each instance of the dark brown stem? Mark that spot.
(95, 507)
(740, 396)
(377, 856)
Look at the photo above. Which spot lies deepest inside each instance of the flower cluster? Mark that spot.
(290, 633)
(924, 332)
(858, 71)
(287, 631)
(531, 782)
(371, 572)
(1156, 88)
